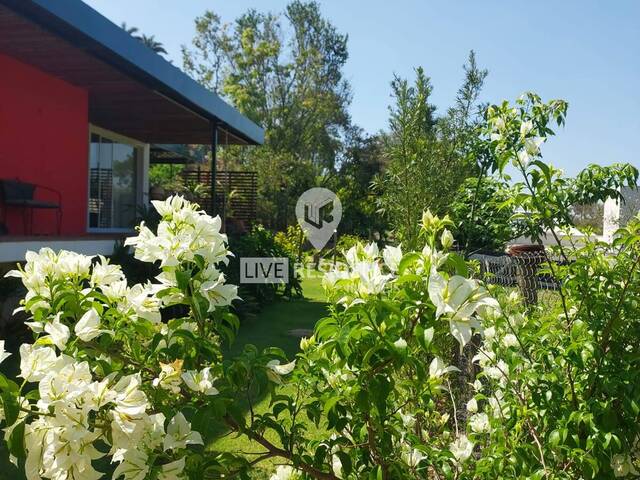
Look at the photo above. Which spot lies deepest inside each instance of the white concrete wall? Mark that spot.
(617, 214)
(14, 251)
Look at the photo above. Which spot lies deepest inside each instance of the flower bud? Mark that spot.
(446, 239)
(428, 220)
(400, 344)
(305, 342)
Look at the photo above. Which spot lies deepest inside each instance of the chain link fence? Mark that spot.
(524, 269)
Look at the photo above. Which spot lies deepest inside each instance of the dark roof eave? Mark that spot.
(147, 66)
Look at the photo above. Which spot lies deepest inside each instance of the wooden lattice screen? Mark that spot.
(236, 192)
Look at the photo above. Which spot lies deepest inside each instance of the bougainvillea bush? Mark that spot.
(109, 389)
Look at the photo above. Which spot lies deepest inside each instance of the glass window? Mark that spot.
(113, 170)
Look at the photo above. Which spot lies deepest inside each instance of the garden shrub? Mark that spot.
(291, 241)
(260, 242)
(556, 395)
(483, 217)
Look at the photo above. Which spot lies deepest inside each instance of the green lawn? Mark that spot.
(270, 327)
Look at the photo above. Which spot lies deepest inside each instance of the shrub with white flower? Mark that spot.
(112, 387)
(104, 376)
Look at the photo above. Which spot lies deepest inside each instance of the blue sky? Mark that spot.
(587, 52)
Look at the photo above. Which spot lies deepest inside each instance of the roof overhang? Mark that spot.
(132, 90)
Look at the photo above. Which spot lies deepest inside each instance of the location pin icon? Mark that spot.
(318, 212)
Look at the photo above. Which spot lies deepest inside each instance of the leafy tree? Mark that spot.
(428, 156)
(147, 40)
(286, 73)
(483, 215)
(362, 160)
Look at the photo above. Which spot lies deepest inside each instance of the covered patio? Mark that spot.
(123, 99)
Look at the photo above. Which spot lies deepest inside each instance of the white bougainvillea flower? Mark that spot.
(116, 292)
(171, 206)
(532, 145)
(437, 368)
(88, 327)
(216, 291)
(499, 408)
(370, 277)
(36, 361)
(134, 465)
(412, 457)
(622, 465)
(524, 157)
(275, 370)
(285, 369)
(461, 448)
(170, 376)
(201, 381)
(497, 371)
(183, 233)
(400, 344)
(65, 383)
(285, 472)
(459, 298)
(371, 251)
(3, 353)
(179, 434)
(472, 406)
(130, 400)
(331, 278)
(144, 302)
(526, 127)
(104, 273)
(479, 423)
(408, 419)
(498, 123)
(510, 340)
(73, 264)
(489, 333)
(58, 332)
(446, 239)
(392, 257)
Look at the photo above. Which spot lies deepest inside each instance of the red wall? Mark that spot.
(44, 139)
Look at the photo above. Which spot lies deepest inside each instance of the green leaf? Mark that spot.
(16, 441)
(182, 278)
(330, 404)
(407, 261)
(345, 460)
(11, 407)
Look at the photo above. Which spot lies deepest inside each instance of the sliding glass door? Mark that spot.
(113, 182)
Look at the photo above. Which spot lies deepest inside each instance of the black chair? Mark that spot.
(17, 194)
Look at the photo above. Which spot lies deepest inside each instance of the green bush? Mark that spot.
(483, 218)
(259, 242)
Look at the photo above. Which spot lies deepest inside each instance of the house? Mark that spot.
(81, 104)
(618, 213)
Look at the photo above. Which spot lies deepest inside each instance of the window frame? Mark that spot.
(141, 174)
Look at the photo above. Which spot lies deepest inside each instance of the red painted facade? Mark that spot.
(44, 129)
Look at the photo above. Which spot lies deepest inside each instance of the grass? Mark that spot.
(270, 327)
